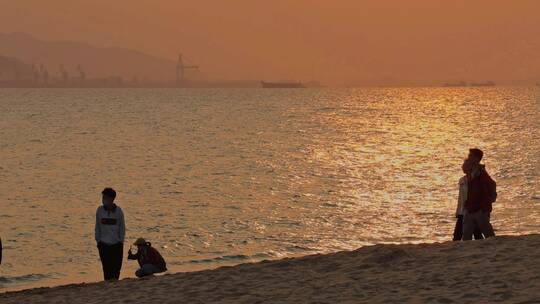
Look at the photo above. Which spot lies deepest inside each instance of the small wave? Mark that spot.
(327, 109)
(227, 259)
(330, 205)
(299, 248)
(23, 279)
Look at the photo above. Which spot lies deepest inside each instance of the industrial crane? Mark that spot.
(181, 68)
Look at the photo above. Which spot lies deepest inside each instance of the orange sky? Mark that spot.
(336, 42)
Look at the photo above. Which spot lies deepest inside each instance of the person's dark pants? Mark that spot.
(477, 220)
(458, 230)
(147, 270)
(111, 259)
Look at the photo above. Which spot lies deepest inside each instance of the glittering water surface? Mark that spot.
(214, 177)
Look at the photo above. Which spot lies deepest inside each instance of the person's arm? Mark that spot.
(97, 228)
(132, 256)
(460, 201)
(121, 227)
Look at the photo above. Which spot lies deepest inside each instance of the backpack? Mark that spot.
(491, 190)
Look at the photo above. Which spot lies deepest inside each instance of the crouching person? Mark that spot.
(148, 257)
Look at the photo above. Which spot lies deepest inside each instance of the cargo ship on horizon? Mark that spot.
(282, 85)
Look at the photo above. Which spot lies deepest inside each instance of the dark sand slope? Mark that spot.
(505, 269)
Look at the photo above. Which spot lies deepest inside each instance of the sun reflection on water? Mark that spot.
(220, 177)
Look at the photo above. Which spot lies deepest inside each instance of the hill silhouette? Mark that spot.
(96, 61)
(12, 68)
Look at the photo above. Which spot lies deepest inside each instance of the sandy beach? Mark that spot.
(505, 269)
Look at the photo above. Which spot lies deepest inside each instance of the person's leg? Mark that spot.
(106, 261)
(468, 225)
(146, 270)
(458, 230)
(102, 258)
(485, 225)
(477, 233)
(117, 255)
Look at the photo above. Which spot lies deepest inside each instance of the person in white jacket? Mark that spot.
(462, 198)
(110, 232)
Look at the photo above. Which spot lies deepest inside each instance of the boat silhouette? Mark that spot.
(282, 85)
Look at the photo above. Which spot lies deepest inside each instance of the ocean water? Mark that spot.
(219, 177)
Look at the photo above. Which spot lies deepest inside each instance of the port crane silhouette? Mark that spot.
(181, 69)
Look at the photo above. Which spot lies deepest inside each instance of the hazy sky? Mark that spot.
(337, 42)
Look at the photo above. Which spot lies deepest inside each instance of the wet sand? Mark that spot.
(504, 269)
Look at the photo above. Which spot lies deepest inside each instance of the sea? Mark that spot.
(216, 177)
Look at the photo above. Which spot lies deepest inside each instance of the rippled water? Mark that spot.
(216, 177)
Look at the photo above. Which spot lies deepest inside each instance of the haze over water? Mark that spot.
(214, 177)
(344, 43)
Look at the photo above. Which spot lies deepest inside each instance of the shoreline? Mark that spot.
(502, 269)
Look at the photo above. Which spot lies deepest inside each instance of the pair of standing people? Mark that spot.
(110, 232)
(477, 193)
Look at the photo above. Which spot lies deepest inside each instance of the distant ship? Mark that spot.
(282, 85)
(483, 84)
(456, 84)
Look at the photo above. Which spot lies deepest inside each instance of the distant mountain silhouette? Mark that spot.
(96, 61)
(12, 68)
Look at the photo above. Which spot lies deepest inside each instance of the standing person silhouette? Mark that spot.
(481, 193)
(110, 232)
(462, 198)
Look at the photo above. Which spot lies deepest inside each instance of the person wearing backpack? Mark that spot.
(481, 194)
(462, 197)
